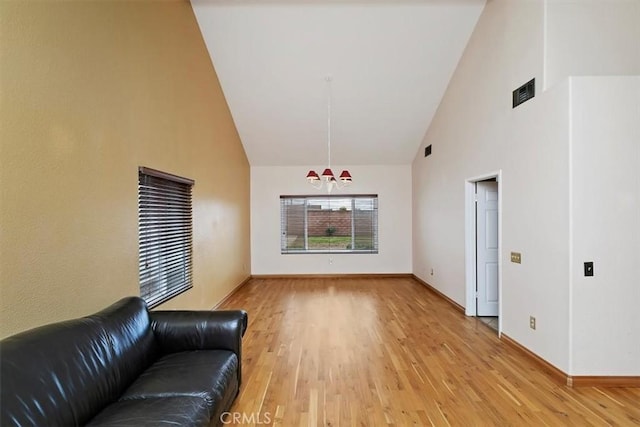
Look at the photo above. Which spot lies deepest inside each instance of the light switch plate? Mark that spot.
(516, 257)
(588, 268)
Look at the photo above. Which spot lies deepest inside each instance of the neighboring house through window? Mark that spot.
(334, 224)
(165, 235)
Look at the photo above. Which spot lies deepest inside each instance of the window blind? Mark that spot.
(164, 235)
(329, 224)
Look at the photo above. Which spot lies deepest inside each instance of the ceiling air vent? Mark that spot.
(524, 93)
(427, 150)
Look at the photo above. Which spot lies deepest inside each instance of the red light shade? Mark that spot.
(327, 174)
(345, 176)
(312, 176)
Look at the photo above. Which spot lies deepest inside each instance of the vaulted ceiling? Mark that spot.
(389, 61)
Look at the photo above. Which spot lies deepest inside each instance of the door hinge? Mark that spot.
(476, 295)
(475, 197)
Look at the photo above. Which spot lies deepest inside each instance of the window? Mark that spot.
(334, 224)
(164, 234)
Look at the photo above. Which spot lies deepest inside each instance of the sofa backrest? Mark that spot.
(65, 373)
(132, 341)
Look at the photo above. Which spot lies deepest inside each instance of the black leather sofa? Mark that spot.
(124, 366)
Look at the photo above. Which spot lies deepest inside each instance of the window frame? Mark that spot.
(287, 249)
(165, 235)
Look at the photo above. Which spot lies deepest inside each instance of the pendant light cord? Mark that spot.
(328, 78)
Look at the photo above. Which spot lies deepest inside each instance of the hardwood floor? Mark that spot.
(373, 352)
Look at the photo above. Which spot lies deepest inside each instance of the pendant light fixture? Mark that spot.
(327, 178)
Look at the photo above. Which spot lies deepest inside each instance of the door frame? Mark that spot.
(470, 243)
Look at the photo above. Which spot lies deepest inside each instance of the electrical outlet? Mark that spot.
(532, 322)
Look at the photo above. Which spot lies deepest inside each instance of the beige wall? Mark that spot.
(89, 92)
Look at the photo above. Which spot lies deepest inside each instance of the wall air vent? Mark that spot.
(524, 93)
(427, 150)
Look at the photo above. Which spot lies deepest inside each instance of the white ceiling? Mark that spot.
(390, 63)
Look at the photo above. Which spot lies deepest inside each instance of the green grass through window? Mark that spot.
(330, 242)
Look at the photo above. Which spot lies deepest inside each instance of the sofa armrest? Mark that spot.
(199, 330)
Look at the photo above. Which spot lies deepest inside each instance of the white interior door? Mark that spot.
(487, 248)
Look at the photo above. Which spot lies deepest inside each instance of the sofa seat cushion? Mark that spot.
(184, 411)
(209, 374)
